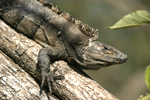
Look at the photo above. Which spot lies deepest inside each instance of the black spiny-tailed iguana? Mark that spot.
(62, 36)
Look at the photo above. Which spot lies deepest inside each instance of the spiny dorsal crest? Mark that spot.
(85, 28)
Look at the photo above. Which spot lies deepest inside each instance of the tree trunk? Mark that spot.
(16, 71)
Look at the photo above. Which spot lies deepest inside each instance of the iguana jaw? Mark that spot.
(97, 55)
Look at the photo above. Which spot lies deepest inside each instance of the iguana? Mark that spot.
(62, 37)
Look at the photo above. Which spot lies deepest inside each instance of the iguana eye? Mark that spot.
(105, 48)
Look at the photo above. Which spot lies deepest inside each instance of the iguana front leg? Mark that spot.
(44, 58)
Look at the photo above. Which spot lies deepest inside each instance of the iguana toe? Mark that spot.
(50, 78)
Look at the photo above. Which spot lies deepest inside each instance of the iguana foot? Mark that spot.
(50, 77)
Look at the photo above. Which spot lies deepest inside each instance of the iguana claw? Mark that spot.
(50, 77)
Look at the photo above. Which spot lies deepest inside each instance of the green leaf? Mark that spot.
(147, 77)
(140, 17)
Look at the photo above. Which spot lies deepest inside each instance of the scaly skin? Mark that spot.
(61, 36)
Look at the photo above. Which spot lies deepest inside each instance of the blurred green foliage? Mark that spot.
(147, 77)
(125, 81)
(147, 97)
(147, 81)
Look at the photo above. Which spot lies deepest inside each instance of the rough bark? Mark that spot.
(16, 84)
(24, 52)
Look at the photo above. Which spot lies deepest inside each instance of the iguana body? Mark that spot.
(62, 36)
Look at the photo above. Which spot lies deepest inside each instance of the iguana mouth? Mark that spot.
(110, 59)
(97, 64)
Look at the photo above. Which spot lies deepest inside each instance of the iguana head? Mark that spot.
(96, 55)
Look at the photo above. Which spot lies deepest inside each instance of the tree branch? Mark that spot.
(16, 83)
(24, 52)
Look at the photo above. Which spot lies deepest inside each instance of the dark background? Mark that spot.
(125, 81)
